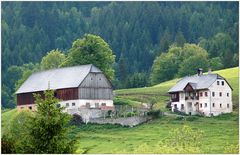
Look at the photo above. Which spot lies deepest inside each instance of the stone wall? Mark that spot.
(124, 121)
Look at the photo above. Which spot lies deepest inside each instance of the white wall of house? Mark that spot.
(222, 98)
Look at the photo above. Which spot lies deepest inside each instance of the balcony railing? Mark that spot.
(191, 98)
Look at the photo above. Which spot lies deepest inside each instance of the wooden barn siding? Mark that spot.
(188, 88)
(63, 94)
(95, 86)
(26, 98)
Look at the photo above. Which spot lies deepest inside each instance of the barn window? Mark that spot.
(30, 108)
(213, 94)
(227, 94)
(206, 94)
(91, 79)
(220, 105)
(213, 104)
(96, 105)
(227, 105)
(220, 93)
(200, 105)
(99, 78)
(73, 104)
(67, 104)
(201, 94)
(223, 83)
(88, 105)
(103, 104)
(217, 82)
(205, 104)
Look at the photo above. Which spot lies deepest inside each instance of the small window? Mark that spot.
(182, 106)
(213, 94)
(206, 94)
(200, 105)
(227, 105)
(227, 94)
(103, 104)
(220, 93)
(222, 83)
(213, 104)
(100, 79)
(91, 78)
(30, 108)
(88, 105)
(205, 105)
(67, 104)
(96, 105)
(220, 105)
(73, 104)
(217, 82)
(201, 94)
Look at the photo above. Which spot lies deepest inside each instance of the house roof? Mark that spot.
(67, 77)
(197, 82)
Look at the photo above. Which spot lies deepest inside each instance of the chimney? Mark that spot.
(200, 71)
(209, 71)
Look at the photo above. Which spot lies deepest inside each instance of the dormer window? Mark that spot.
(217, 82)
(222, 83)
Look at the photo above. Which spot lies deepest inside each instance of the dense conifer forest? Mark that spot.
(137, 33)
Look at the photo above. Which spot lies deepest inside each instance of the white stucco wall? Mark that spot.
(82, 102)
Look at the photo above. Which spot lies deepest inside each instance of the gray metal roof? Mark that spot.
(197, 82)
(67, 77)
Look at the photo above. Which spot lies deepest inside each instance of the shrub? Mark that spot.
(7, 145)
(154, 113)
(76, 120)
(179, 118)
(130, 114)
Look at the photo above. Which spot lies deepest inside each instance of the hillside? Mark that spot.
(160, 91)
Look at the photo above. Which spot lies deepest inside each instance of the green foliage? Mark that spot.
(48, 129)
(231, 149)
(178, 61)
(216, 63)
(94, 50)
(52, 60)
(192, 118)
(154, 113)
(136, 80)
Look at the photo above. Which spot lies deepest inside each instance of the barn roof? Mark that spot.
(197, 82)
(67, 77)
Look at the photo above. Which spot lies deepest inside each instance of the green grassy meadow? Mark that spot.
(219, 132)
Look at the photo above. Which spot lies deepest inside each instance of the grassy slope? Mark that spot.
(114, 139)
(160, 90)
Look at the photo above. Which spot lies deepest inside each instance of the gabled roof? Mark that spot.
(67, 77)
(197, 82)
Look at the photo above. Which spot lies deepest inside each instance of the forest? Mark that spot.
(142, 35)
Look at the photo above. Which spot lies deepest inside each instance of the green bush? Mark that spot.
(154, 113)
(179, 118)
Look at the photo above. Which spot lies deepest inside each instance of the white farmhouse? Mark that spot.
(207, 94)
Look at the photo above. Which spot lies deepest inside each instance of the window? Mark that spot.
(213, 94)
(220, 105)
(220, 93)
(227, 105)
(227, 94)
(205, 105)
(73, 104)
(88, 105)
(206, 94)
(67, 104)
(30, 108)
(182, 106)
(200, 93)
(96, 105)
(99, 78)
(103, 104)
(223, 83)
(200, 105)
(217, 82)
(213, 104)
